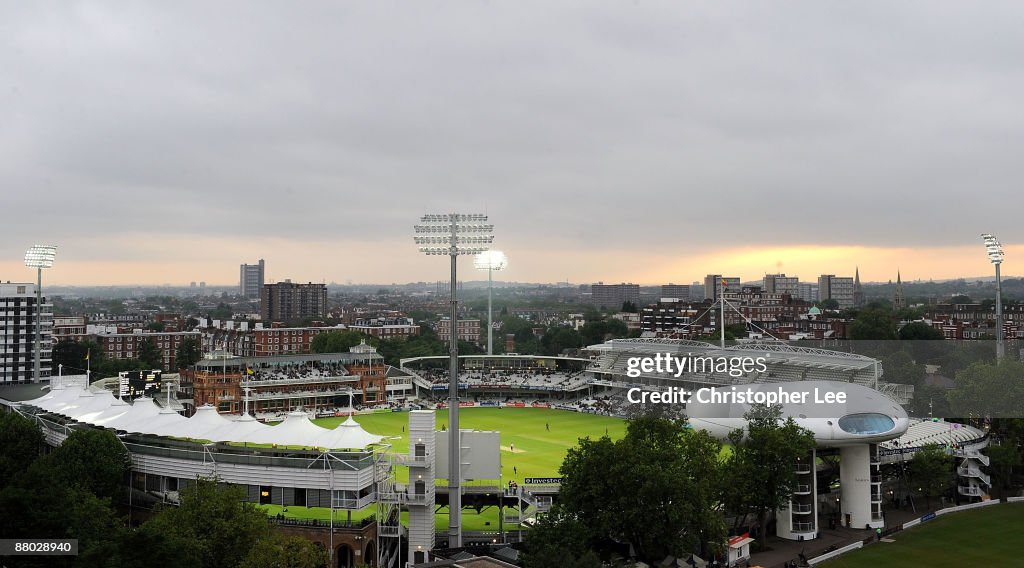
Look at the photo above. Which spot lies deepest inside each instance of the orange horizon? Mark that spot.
(216, 262)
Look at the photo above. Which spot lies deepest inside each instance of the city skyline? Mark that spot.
(838, 261)
(169, 143)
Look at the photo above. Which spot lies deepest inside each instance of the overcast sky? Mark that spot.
(637, 141)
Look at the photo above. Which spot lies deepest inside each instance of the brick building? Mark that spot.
(287, 301)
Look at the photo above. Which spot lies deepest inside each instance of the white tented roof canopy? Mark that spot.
(145, 416)
(348, 435)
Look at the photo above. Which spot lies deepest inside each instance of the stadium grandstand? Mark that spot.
(506, 379)
(293, 463)
(784, 363)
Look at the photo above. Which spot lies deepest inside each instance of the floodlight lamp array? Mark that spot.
(460, 228)
(40, 256)
(457, 240)
(454, 218)
(448, 251)
(993, 248)
(490, 260)
(453, 234)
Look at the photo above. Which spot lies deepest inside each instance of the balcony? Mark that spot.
(803, 468)
(803, 527)
(389, 531)
(969, 490)
(801, 508)
(355, 504)
(802, 489)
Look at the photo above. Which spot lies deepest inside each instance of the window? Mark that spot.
(867, 423)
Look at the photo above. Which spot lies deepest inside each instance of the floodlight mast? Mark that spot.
(490, 261)
(454, 234)
(995, 256)
(39, 257)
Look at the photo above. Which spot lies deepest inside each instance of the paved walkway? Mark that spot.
(783, 551)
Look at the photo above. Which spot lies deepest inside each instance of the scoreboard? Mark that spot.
(133, 384)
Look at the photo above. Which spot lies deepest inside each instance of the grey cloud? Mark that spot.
(822, 123)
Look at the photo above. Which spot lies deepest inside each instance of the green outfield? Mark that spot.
(533, 440)
(981, 537)
(533, 444)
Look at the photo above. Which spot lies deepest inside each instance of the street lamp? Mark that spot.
(995, 255)
(490, 261)
(39, 257)
(454, 234)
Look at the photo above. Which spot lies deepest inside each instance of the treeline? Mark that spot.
(530, 339)
(78, 490)
(73, 356)
(665, 489)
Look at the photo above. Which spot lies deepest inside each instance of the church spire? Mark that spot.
(858, 292)
(899, 300)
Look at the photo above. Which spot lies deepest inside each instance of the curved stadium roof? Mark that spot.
(145, 416)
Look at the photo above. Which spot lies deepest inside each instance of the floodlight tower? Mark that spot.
(39, 257)
(995, 255)
(454, 234)
(490, 261)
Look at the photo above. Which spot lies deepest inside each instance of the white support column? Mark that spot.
(856, 487)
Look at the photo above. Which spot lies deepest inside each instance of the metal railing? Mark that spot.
(974, 472)
(969, 490)
(319, 523)
(802, 488)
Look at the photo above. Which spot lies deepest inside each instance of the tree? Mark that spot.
(919, 330)
(735, 331)
(189, 353)
(873, 323)
(559, 540)
(280, 551)
(600, 330)
(931, 472)
(214, 522)
(21, 440)
(222, 312)
(67, 494)
(900, 368)
(670, 507)
(558, 339)
(960, 355)
(629, 307)
(1004, 457)
(72, 354)
(831, 304)
(989, 389)
(149, 355)
(768, 451)
(336, 341)
(89, 460)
